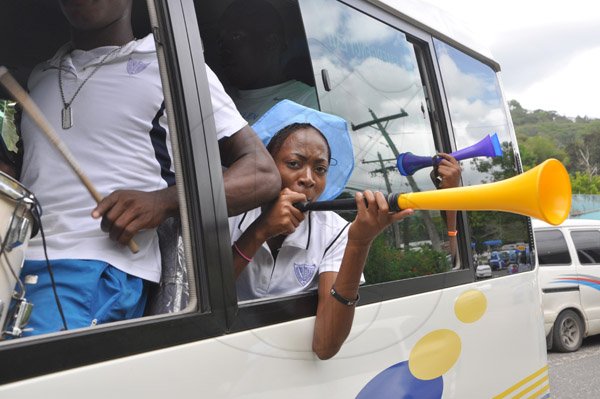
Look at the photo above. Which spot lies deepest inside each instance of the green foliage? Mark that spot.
(535, 150)
(574, 141)
(504, 226)
(499, 168)
(583, 183)
(386, 263)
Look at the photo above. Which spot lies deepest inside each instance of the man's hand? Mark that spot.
(447, 173)
(125, 212)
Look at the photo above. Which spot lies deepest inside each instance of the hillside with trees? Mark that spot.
(573, 141)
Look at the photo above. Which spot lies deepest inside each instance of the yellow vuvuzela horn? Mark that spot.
(543, 192)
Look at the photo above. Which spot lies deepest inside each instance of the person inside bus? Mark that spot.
(253, 53)
(278, 250)
(446, 173)
(102, 93)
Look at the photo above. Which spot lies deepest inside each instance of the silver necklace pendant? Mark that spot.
(67, 117)
(67, 114)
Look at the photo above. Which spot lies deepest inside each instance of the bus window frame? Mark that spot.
(440, 121)
(178, 33)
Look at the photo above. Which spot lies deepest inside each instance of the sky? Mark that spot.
(549, 51)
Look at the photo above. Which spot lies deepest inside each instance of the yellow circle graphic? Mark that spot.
(470, 306)
(434, 354)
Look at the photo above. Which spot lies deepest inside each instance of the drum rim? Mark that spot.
(16, 192)
(11, 188)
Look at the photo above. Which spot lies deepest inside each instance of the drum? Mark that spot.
(17, 225)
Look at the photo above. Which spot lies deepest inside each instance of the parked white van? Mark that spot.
(569, 277)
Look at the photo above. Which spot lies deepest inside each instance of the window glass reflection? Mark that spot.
(587, 244)
(552, 248)
(476, 110)
(367, 72)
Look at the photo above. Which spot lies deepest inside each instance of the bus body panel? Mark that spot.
(495, 353)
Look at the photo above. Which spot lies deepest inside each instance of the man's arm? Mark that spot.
(125, 212)
(251, 178)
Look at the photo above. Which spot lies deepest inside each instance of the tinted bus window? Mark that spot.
(587, 244)
(552, 248)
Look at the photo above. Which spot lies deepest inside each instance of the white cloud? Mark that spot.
(324, 23)
(371, 33)
(577, 84)
(459, 84)
(548, 50)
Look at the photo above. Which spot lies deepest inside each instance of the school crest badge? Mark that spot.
(304, 273)
(136, 66)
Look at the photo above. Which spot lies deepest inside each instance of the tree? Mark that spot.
(535, 150)
(583, 183)
(497, 168)
(591, 142)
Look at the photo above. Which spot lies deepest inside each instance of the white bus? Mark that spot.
(407, 78)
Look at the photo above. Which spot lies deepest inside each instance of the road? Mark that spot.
(576, 375)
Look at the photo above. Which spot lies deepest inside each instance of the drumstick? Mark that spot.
(38, 117)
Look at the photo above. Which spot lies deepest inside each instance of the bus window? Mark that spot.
(587, 244)
(31, 38)
(369, 74)
(32, 34)
(552, 248)
(477, 108)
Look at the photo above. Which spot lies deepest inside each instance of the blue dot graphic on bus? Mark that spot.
(421, 376)
(397, 381)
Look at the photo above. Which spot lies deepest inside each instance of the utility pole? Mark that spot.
(385, 170)
(429, 226)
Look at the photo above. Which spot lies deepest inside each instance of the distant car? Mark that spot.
(569, 277)
(483, 271)
(496, 262)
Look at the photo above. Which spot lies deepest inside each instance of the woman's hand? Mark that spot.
(281, 217)
(372, 218)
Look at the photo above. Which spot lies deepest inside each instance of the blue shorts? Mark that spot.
(90, 292)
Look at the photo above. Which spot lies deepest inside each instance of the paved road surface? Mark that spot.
(576, 375)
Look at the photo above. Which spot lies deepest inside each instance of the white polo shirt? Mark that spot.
(252, 104)
(119, 138)
(317, 246)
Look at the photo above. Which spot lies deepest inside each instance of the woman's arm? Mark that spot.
(334, 319)
(449, 171)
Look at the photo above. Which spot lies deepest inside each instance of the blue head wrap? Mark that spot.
(334, 129)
